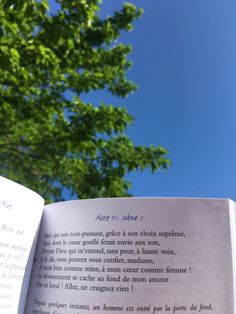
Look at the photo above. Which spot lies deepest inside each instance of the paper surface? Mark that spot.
(134, 255)
(20, 214)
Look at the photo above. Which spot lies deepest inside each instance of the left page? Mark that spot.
(20, 215)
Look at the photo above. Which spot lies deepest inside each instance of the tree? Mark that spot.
(50, 139)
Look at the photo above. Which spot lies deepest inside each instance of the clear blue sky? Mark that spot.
(185, 63)
(184, 60)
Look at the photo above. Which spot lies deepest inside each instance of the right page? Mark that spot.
(134, 255)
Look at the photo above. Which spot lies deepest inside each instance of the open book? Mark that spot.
(127, 255)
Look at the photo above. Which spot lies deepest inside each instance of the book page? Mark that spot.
(20, 214)
(232, 206)
(133, 255)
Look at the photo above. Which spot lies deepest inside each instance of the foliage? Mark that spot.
(49, 138)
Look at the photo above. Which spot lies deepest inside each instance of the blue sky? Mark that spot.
(184, 60)
(185, 64)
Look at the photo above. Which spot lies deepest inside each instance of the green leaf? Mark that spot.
(49, 138)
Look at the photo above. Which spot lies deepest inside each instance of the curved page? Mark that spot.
(20, 214)
(133, 255)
